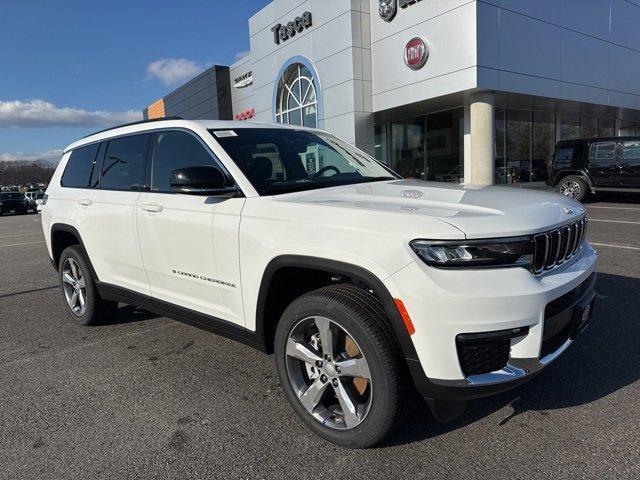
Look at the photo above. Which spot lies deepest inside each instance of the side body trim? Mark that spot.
(181, 314)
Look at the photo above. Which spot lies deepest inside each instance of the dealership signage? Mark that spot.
(282, 33)
(246, 115)
(416, 53)
(243, 80)
(389, 8)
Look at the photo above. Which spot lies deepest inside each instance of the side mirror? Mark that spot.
(204, 180)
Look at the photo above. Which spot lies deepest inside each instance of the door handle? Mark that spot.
(85, 202)
(151, 207)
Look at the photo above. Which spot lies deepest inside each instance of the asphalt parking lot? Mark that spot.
(147, 397)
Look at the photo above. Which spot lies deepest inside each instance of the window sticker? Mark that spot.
(225, 133)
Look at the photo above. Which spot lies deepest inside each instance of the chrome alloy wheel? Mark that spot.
(74, 287)
(570, 188)
(329, 373)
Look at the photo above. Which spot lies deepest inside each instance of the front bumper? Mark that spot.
(455, 302)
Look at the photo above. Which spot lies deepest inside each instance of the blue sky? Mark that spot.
(70, 67)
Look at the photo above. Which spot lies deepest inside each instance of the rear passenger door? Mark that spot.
(603, 165)
(106, 211)
(189, 243)
(630, 164)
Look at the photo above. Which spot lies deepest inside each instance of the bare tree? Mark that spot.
(19, 172)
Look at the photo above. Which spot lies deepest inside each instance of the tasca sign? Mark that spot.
(282, 33)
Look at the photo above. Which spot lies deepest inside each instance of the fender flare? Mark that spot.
(578, 173)
(396, 326)
(64, 227)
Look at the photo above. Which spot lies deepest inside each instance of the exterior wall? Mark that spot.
(580, 50)
(337, 46)
(242, 99)
(207, 96)
(448, 27)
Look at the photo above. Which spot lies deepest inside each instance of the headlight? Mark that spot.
(517, 252)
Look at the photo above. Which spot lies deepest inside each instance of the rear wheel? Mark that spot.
(574, 187)
(79, 291)
(338, 366)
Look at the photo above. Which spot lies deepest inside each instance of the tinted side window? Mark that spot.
(175, 150)
(78, 170)
(631, 151)
(125, 163)
(564, 157)
(603, 152)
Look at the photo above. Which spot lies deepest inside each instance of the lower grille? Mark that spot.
(486, 352)
(553, 341)
(560, 303)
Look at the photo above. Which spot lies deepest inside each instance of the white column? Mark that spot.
(482, 115)
(467, 144)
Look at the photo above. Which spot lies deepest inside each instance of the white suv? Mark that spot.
(363, 285)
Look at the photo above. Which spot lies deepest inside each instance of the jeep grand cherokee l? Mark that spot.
(365, 286)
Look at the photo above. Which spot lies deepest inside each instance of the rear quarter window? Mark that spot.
(79, 167)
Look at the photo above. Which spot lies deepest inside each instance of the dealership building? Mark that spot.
(447, 90)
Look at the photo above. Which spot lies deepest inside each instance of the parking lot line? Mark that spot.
(22, 235)
(605, 221)
(18, 244)
(613, 208)
(626, 247)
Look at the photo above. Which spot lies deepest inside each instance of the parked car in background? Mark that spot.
(589, 166)
(32, 200)
(14, 202)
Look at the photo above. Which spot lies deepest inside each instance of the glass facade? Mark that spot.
(525, 140)
(431, 147)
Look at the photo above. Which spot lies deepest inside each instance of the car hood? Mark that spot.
(478, 211)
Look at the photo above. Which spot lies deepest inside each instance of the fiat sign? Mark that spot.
(416, 53)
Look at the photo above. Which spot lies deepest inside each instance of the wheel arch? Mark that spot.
(63, 236)
(566, 173)
(267, 316)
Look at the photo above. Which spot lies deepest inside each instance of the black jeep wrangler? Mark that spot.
(586, 166)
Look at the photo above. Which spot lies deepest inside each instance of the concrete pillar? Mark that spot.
(467, 144)
(482, 115)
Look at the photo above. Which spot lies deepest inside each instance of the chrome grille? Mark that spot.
(556, 246)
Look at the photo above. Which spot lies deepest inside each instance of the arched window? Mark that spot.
(296, 102)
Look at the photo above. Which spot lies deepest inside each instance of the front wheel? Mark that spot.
(574, 187)
(338, 366)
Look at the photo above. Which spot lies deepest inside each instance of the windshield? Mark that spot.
(278, 160)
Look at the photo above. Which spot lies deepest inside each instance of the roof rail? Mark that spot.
(134, 123)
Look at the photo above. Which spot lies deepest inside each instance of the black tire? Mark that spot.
(361, 315)
(573, 186)
(96, 309)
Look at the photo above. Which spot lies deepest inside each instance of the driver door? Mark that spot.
(189, 243)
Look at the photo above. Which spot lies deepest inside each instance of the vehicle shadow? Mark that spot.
(602, 361)
(630, 198)
(129, 314)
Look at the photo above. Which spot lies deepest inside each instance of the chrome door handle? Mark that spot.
(151, 207)
(84, 201)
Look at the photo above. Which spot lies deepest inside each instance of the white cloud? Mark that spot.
(172, 71)
(242, 54)
(49, 156)
(40, 113)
